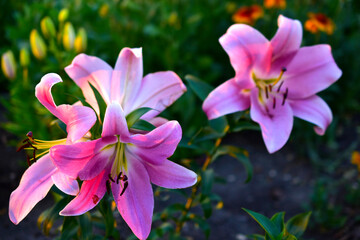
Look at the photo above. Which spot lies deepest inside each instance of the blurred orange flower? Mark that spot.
(248, 14)
(319, 22)
(275, 4)
(355, 159)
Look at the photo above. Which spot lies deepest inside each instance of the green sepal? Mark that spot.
(200, 88)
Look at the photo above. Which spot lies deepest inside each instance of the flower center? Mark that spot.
(119, 167)
(270, 89)
(41, 146)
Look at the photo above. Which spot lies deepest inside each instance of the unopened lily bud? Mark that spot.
(104, 10)
(81, 41)
(8, 64)
(63, 15)
(24, 57)
(37, 44)
(68, 36)
(47, 27)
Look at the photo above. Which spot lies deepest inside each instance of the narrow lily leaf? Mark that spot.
(297, 224)
(200, 88)
(273, 231)
(256, 237)
(207, 181)
(69, 228)
(106, 212)
(135, 115)
(100, 101)
(219, 124)
(48, 217)
(245, 125)
(239, 155)
(85, 226)
(143, 125)
(278, 220)
(206, 206)
(204, 226)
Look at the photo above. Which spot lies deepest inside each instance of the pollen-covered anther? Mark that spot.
(274, 103)
(285, 96)
(124, 188)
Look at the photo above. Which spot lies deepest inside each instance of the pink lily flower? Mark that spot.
(125, 163)
(277, 79)
(125, 83)
(41, 175)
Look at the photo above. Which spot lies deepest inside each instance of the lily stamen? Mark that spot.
(285, 96)
(124, 188)
(274, 103)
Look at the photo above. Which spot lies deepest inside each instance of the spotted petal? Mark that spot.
(312, 70)
(91, 192)
(136, 205)
(276, 125)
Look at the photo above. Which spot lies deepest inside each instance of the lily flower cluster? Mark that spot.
(122, 160)
(276, 79)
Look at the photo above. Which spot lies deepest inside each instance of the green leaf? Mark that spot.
(297, 224)
(278, 220)
(245, 125)
(200, 88)
(269, 227)
(206, 206)
(135, 115)
(143, 125)
(106, 212)
(47, 218)
(207, 180)
(69, 228)
(204, 226)
(100, 101)
(85, 226)
(256, 237)
(237, 153)
(220, 124)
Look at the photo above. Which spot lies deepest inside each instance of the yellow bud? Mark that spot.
(47, 27)
(81, 41)
(8, 64)
(68, 36)
(104, 10)
(24, 57)
(37, 44)
(220, 205)
(63, 15)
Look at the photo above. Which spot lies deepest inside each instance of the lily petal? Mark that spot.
(84, 159)
(115, 122)
(156, 146)
(91, 192)
(314, 110)
(127, 76)
(78, 119)
(158, 91)
(170, 175)
(66, 184)
(136, 205)
(227, 98)
(247, 49)
(312, 70)
(86, 69)
(34, 185)
(286, 42)
(276, 125)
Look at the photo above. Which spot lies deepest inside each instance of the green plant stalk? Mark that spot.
(194, 190)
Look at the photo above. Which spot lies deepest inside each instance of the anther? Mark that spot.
(266, 92)
(28, 161)
(285, 96)
(274, 103)
(108, 186)
(278, 90)
(118, 178)
(270, 88)
(110, 177)
(125, 186)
